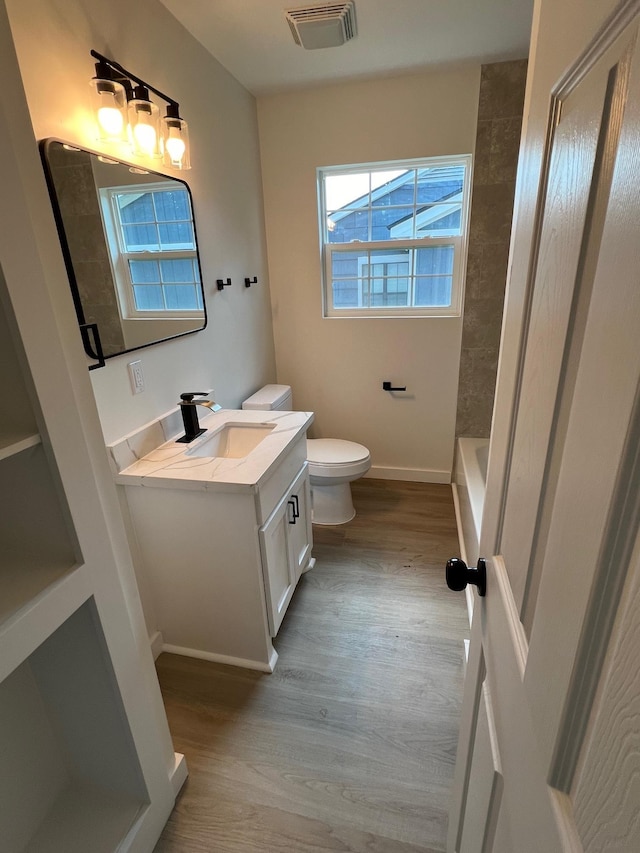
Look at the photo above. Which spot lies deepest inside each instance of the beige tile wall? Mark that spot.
(497, 142)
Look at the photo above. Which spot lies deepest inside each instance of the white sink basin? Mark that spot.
(232, 441)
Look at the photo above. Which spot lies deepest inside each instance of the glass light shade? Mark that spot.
(144, 129)
(109, 104)
(176, 143)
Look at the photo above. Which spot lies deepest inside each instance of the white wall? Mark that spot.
(336, 366)
(234, 355)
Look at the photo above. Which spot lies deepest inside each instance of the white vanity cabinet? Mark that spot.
(285, 546)
(222, 543)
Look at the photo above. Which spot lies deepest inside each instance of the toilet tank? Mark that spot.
(270, 397)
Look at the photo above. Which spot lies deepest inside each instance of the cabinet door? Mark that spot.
(277, 566)
(300, 533)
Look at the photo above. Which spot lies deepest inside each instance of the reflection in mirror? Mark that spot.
(129, 241)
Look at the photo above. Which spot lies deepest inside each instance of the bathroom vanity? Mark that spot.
(223, 528)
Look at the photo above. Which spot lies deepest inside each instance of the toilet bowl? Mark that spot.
(333, 463)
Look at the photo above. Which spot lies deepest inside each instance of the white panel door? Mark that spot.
(556, 630)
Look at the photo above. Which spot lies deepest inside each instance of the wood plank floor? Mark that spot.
(350, 744)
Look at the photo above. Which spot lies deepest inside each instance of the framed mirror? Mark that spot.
(129, 241)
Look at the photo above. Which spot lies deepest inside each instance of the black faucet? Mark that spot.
(192, 428)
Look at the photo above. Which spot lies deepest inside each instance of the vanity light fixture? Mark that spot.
(125, 112)
(176, 139)
(110, 103)
(144, 127)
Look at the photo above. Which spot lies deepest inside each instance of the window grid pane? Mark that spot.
(171, 206)
(157, 220)
(181, 297)
(398, 191)
(142, 237)
(433, 291)
(144, 272)
(166, 285)
(412, 203)
(370, 278)
(148, 297)
(439, 182)
(135, 208)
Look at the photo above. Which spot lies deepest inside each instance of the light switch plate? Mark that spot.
(136, 376)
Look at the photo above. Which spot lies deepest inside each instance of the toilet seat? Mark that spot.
(334, 457)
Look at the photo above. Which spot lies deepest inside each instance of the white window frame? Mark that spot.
(458, 242)
(120, 257)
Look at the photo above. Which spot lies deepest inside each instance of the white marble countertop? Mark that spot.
(174, 465)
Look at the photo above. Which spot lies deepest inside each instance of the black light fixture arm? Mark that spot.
(127, 77)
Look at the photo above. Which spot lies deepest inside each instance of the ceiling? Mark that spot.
(251, 38)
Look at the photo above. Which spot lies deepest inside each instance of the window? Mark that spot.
(153, 249)
(393, 237)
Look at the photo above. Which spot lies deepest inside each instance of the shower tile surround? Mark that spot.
(500, 108)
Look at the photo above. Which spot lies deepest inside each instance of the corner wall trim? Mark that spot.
(156, 643)
(180, 772)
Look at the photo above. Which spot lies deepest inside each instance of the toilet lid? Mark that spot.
(335, 451)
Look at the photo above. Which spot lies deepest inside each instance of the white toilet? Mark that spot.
(333, 463)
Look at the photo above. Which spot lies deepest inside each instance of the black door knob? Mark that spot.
(459, 575)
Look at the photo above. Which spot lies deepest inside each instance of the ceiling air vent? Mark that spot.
(323, 24)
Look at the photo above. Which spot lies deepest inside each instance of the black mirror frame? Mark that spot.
(44, 146)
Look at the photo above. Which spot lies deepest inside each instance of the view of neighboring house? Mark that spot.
(409, 208)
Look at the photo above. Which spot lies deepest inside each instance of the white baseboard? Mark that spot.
(155, 640)
(409, 475)
(225, 659)
(180, 772)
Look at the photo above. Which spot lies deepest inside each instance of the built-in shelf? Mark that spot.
(70, 778)
(37, 545)
(85, 818)
(23, 580)
(17, 420)
(11, 445)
